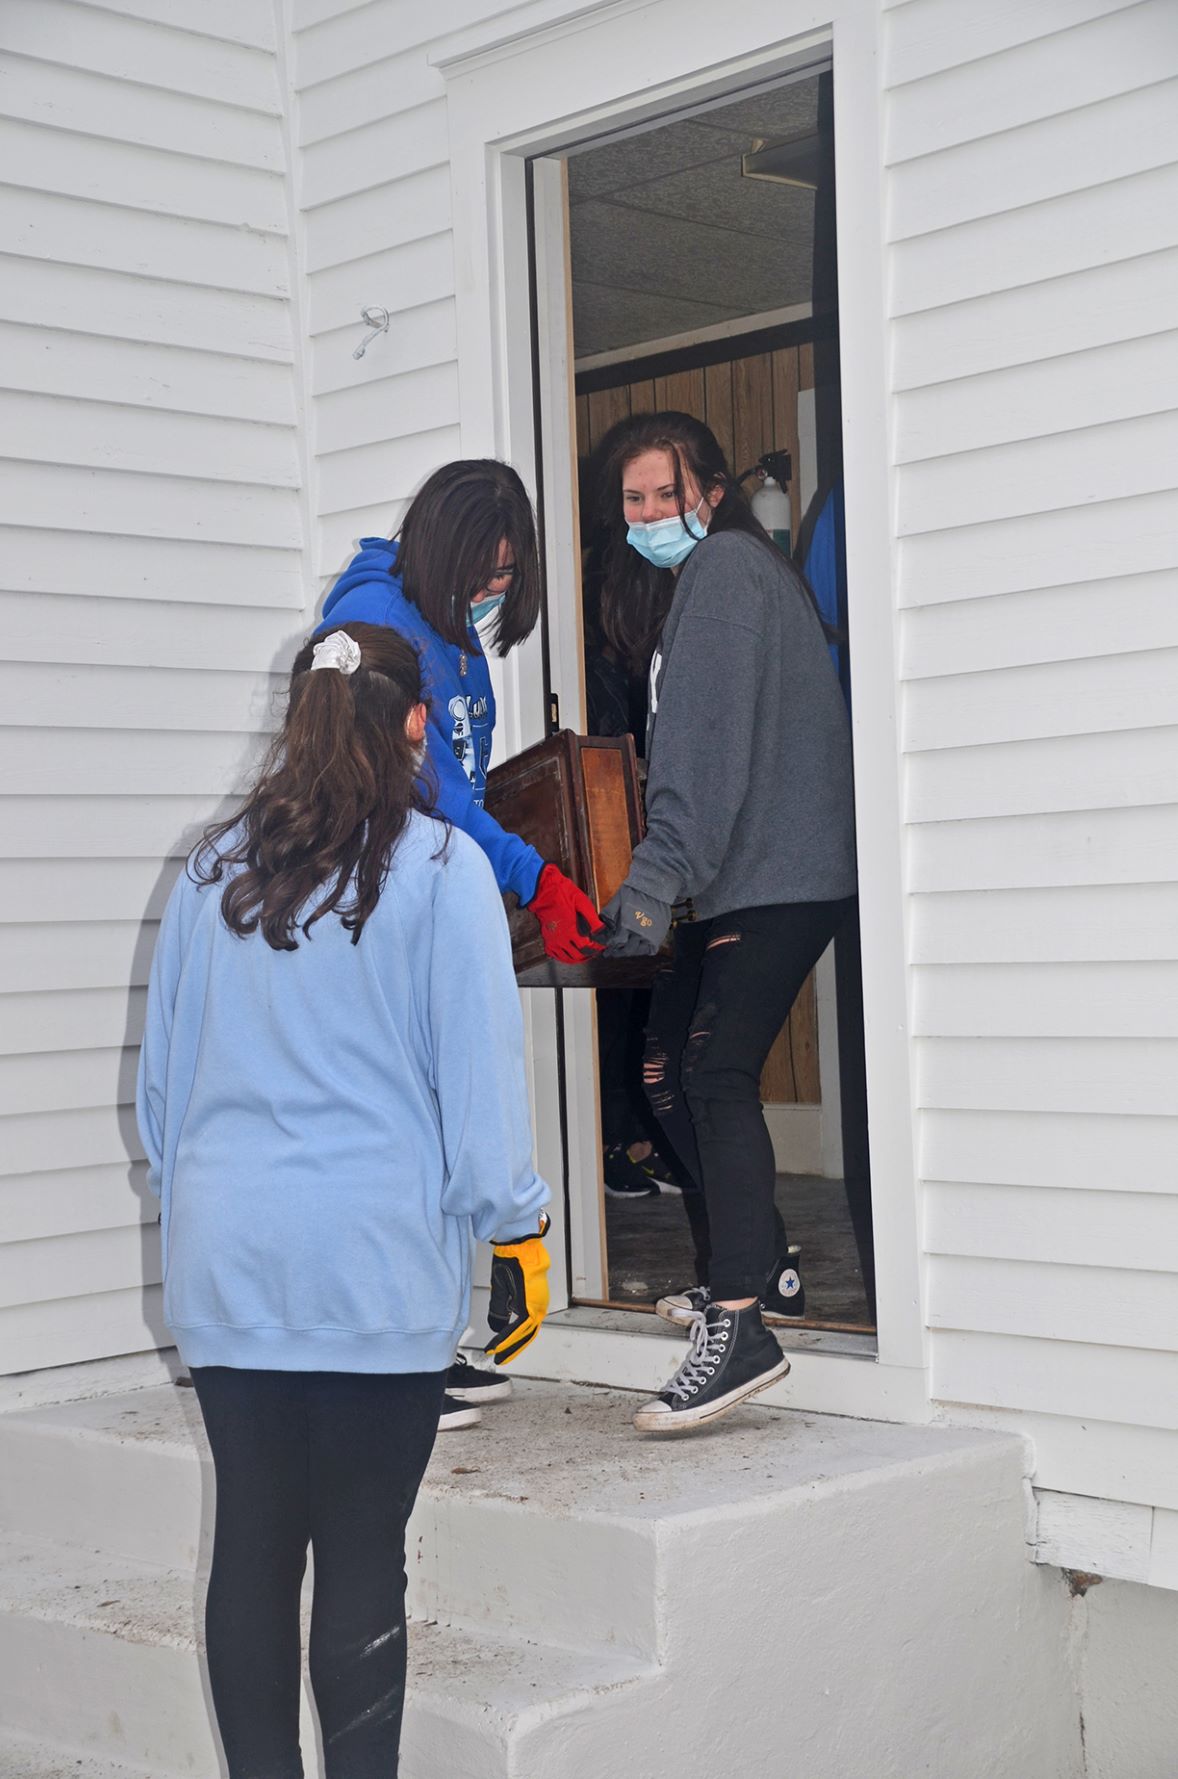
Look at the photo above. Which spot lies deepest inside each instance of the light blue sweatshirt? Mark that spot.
(325, 1128)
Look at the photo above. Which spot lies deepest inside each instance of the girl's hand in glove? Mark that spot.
(638, 924)
(570, 925)
(519, 1293)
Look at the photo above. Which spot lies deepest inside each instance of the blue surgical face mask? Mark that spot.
(486, 606)
(668, 542)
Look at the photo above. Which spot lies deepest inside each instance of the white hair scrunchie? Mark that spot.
(339, 650)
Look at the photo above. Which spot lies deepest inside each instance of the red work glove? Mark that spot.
(570, 925)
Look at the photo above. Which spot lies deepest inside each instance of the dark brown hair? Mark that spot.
(332, 797)
(636, 596)
(447, 546)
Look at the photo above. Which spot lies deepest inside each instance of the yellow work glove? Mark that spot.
(519, 1293)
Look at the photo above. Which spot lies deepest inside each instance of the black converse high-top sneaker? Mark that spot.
(732, 1356)
(785, 1294)
(683, 1306)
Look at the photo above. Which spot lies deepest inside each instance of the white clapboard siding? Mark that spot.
(1121, 614)
(1092, 696)
(153, 583)
(1135, 535)
(74, 165)
(1102, 1305)
(417, 338)
(92, 1260)
(93, 1324)
(120, 238)
(1112, 1075)
(1133, 767)
(177, 59)
(409, 140)
(1045, 1000)
(378, 216)
(1087, 846)
(1057, 1377)
(1130, 1230)
(127, 827)
(94, 1018)
(90, 696)
(1132, 132)
(1098, 58)
(1074, 390)
(362, 94)
(1088, 1151)
(391, 408)
(422, 269)
(99, 105)
(117, 305)
(1032, 180)
(42, 1142)
(142, 374)
(1049, 239)
(1032, 325)
(82, 889)
(372, 475)
(127, 632)
(67, 1201)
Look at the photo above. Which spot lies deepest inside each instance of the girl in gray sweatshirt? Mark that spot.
(749, 847)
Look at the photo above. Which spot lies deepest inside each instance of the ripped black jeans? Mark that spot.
(332, 1459)
(717, 1007)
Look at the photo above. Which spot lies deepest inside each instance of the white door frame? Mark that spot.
(518, 90)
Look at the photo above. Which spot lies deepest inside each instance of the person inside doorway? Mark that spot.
(332, 1102)
(749, 851)
(462, 576)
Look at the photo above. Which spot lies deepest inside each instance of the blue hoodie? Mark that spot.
(327, 1127)
(461, 707)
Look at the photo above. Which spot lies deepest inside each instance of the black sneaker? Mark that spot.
(467, 1383)
(684, 1306)
(785, 1294)
(457, 1414)
(625, 1178)
(732, 1357)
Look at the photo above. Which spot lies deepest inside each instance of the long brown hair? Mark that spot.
(636, 596)
(332, 797)
(447, 544)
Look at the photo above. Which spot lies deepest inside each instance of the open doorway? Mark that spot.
(702, 274)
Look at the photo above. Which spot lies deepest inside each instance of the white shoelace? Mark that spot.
(704, 1354)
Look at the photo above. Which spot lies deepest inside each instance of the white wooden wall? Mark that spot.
(151, 538)
(1032, 157)
(374, 196)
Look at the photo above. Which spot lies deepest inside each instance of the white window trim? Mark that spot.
(562, 81)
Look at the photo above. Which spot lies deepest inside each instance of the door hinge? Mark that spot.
(553, 714)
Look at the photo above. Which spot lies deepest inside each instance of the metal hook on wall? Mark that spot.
(377, 320)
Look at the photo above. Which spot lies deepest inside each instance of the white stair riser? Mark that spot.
(478, 1563)
(145, 1704)
(144, 1501)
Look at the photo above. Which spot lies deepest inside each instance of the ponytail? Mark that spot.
(333, 795)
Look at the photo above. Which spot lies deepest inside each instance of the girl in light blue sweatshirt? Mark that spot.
(332, 1101)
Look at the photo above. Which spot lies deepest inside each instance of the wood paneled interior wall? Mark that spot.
(751, 404)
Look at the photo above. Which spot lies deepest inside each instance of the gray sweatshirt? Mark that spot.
(748, 798)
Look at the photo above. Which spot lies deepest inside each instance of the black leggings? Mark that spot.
(717, 1006)
(333, 1460)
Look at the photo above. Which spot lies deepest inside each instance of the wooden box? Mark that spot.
(576, 799)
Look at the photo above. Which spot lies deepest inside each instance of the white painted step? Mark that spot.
(104, 1655)
(550, 1520)
(24, 1759)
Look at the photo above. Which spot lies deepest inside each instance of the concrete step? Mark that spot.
(104, 1656)
(551, 1519)
(21, 1758)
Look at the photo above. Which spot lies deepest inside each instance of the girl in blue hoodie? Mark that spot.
(463, 572)
(332, 1101)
